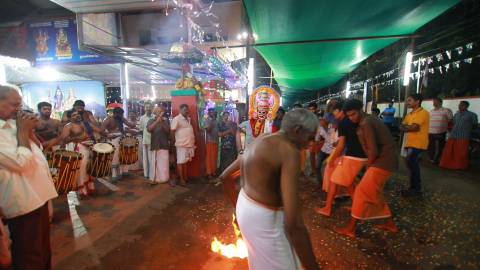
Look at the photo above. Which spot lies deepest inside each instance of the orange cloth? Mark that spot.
(368, 201)
(211, 158)
(327, 175)
(455, 154)
(303, 157)
(417, 139)
(347, 170)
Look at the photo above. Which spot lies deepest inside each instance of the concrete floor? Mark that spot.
(159, 227)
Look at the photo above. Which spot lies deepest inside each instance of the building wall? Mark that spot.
(451, 103)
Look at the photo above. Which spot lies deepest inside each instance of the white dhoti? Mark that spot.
(159, 167)
(262, 229)
(185, 154)
(146, 159)
(84, 181)
(117, 169)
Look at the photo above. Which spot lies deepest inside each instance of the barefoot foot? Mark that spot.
(346, 232)
(325, 211)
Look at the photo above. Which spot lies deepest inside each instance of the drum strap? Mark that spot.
(120, 124)
(89, 129)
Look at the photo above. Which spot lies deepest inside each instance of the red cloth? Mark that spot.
(211, 158)
(275, 129)
(455, 154)
(30, 234)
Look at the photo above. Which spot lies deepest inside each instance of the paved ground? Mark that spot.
(144, 227)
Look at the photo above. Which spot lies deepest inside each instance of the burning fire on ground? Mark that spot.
(237, 250)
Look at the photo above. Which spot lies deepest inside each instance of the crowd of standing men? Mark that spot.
(357, 154)
(25, 176)
(343, 143)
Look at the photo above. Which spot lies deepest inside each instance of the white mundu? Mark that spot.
(267, 244)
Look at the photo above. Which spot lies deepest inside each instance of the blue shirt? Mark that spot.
(330, 118)
(463, 124)
(388, 119)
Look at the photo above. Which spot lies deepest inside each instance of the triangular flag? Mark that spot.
(439, 57)
(469, 46)
(449, 54)
(459, 50)
(468, 60)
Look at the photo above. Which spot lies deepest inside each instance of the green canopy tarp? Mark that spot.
(300, 69)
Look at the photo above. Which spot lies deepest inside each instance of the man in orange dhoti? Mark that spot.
(211, 128)
(455, 153)
(346, 167)
(378, 144)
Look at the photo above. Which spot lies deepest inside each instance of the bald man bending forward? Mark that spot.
(268, 207)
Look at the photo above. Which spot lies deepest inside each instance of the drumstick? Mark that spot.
(60, 178)
(68, 173)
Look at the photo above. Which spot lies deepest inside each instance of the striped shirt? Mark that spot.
(439, 119)
(463, 124)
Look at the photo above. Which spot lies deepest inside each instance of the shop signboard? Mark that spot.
(55, 42)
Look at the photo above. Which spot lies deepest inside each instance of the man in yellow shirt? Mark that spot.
(415, 125)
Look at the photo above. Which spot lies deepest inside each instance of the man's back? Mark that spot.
(389, 115)
(262, 165)
(464, 123)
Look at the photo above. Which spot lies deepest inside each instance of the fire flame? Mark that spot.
(237, 250)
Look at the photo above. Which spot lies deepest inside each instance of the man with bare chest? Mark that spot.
(77, 138)
(114, 126)
(47, 128)
(268, 208)
(79, 106)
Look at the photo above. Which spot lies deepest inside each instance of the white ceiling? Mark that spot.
(95, 6)
(106, 73)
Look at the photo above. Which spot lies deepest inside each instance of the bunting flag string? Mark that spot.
(422, 61)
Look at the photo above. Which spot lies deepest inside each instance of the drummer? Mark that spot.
(115, 127)
(79, 139)
(47, 127)
(79, 106)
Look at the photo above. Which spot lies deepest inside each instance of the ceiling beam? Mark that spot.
(318, 41)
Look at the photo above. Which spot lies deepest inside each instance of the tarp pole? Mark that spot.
(407, 88)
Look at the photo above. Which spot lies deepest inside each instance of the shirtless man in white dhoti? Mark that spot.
(76, 137)
(268, 207)
(117, 126)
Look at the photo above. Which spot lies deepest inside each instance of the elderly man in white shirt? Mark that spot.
(184, 136)
(26, 185)
(146, 138)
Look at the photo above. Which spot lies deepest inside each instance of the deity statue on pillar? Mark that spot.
(263, 105)
(188, 81)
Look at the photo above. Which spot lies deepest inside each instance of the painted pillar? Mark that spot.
(196, 167)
